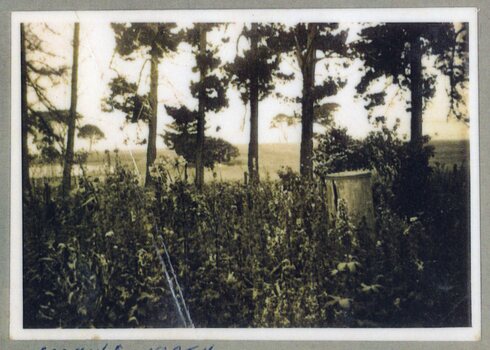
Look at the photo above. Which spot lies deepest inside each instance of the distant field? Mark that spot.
(272, 157)
(451, 152)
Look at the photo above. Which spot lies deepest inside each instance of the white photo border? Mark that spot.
(462, 14)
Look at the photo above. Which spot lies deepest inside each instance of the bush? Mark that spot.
(422, 213)
(401, 170)
(216, 150)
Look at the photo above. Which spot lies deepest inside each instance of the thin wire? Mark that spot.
(162, 262)
(164, 267)
(175, 276)
(135, 165)
(169, 280)
(191, 324)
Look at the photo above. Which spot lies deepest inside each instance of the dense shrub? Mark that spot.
(216, 150)
(430, 208)
(401, 169)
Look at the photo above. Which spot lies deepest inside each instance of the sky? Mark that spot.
(98, 65)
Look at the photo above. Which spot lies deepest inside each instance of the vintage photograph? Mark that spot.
(243, 173)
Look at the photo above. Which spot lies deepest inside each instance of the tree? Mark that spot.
(322, 116)
(310, 43)
(209, 90)
(92, 133)
(37, 77)
(396, 50)
(253, 73)
(53, 134)
(181, 137)
(282, 122)
(69, 154)
(155, 41)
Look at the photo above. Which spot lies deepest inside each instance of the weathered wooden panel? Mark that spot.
(354, 189)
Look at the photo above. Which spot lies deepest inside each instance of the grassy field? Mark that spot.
(451, 152)
(272, 157)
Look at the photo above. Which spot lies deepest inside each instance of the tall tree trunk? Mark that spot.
(66, 184)
(201, 117)
(308, 71)
(26, 184)
(416, 91)
(151, 151)
(253, 146)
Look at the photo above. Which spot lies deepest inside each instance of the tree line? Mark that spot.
(387, 50)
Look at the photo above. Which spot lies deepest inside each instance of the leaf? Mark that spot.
(82, 310)
(353, 266)
(278, 289)
(46, 259)
(102, 259)
(72, 264)
(91, 199)
(370, 288)
(344, 303)
(133, 319)
(145, 295)
(341, 266)
(230, 279)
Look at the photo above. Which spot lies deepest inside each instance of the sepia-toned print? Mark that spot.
(247, 173)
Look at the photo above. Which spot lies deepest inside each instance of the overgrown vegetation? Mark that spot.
(252, 256)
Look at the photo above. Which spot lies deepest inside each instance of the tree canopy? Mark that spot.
(92, 133)
(396, 50)
(180, 136)
(264, 63)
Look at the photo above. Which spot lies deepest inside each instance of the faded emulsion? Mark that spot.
(245, 175)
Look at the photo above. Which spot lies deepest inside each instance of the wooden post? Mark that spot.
(354, 189)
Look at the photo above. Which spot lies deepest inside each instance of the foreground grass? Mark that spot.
(245, 256)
